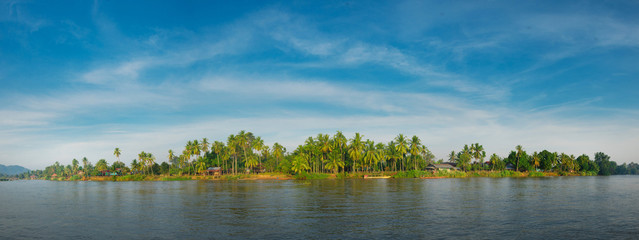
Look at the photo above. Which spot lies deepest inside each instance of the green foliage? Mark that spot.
(536, 174)
(75, 178)
(305, 175)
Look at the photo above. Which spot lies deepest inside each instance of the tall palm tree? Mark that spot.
(150, 160)
(117, 153)
(518, 155)
(258, 145)
(478, 152)
(232, 143)
(402, 149)
(382, 155)
(339, 143)
(325, 146)
(452, 157)
(393, 154)
(171, 156)
(75, 165)
(218, 147)
(204, 145)
(278, 153)
(355, 150)
(415, 149)
(143, 160)
(300, 163)
(535, 159)
(85, 165)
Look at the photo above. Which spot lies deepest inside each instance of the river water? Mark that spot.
(470, 208)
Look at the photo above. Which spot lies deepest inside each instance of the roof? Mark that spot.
(443, 165)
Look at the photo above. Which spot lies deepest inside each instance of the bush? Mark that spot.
(536, 174)
(305, 175)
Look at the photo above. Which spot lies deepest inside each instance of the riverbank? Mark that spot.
(283, 176)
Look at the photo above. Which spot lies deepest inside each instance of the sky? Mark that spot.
(80, 78)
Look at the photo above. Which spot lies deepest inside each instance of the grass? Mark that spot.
(305, 176)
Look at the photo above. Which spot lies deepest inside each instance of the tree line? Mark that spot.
(245, 153)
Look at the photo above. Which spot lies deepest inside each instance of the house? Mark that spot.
(54, 175)
(510, 166)
(442, 167)
(213, 171)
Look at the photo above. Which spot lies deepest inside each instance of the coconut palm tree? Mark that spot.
(415, 149)
(258, 145)
(402, 149)
(300, 163)
(75, 165)
(278, 153)
(339, 144)
(518, 155)
(171, 156)
(355, 150)
(204, 145)
(478, 152)
(382, 155)
(452, 157)
(85, 165)
(232, 143)
(393, 155)
(117, 153)
(218, 147)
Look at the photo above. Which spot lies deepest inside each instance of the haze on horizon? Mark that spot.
(81, 78)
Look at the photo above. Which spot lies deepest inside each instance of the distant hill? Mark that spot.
(12, 170)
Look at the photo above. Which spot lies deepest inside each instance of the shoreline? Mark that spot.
(308, 176)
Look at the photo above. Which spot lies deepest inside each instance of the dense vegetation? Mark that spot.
(324, 154)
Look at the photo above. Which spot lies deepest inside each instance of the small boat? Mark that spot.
(374, 177)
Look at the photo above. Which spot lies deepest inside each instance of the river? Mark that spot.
(469, 208)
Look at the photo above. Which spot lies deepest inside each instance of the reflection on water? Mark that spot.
(559, 207)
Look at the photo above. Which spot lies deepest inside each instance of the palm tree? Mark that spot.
(402, 149)
(300, 163)
(204, 146)
(232, 143)
(258, 145)
(371, 156)
(535, 159)
(382, 155)
(415, 149)
(142, 158)
(117, 153)
(85, 165)
(452, 157)
(151, 161)
(355, 150)
(478, 152)
(171, 156)
(325, 146)
(101, 165)
(278, 153)
(518, 155)
(218, 147)
(392, 154)
(252, 162)
(265, 152)
(339, 142)
(201, 165)
(75, 165)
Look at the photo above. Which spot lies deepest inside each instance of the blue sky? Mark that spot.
(80, 78)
